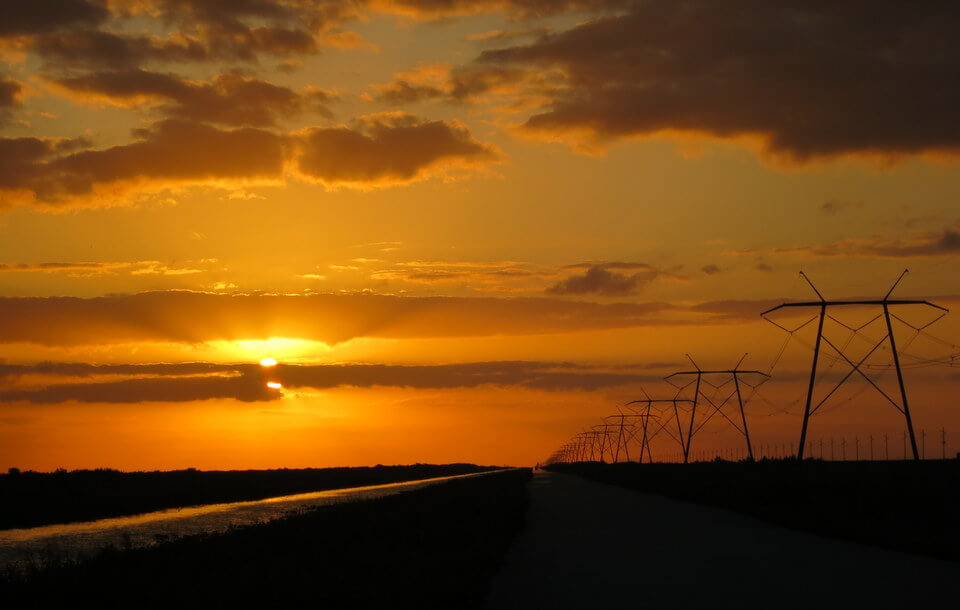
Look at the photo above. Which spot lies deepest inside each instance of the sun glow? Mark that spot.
(273, 385)
(268, 362)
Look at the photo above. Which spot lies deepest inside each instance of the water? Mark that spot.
(70, 541)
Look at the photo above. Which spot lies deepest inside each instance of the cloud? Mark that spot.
(203, 381)
(37, 16)
(170, 151)
(523, 9)
(378, 150)
(401, 92)
(496, 36)
(388, 148)
(89, 269)
(806, 80)
(710, 269)
(100, 49)
(228, 99)
(245, 389)
(9, 93)
(483, 276)
(190, 317)
(198, 31)
(920, 244)
(603, 279)
(99, 34)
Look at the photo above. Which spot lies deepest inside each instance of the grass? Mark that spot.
(436, 547)
(900, 505)
(31, 499)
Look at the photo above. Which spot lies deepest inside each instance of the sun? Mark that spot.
(268, 362)
(274, 385)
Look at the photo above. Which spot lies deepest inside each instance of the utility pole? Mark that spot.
(823, 306)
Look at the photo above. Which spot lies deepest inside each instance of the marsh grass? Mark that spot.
(32, 499)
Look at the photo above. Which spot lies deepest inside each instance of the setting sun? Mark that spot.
(268, 362)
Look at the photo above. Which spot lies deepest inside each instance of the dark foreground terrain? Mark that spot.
(899, 505)
(436, 547)
(42, 498)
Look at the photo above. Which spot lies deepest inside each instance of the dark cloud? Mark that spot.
(247, 389)
(401, 92)
(85, 33)
(188, 317)
(388, 147)
(524, 9)
(9, 98)
(710, 269)
(9, 93)
(84, 269)
(100, 49)
(808, 79)
(499, 36)
(228, 99)
(376, 150)
(603, 279)
(943, 243)
(21, 18)
(203, 381)
(168, 151)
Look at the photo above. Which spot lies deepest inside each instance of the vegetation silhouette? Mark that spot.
(43, 498)
(436, 547)
(900, 505)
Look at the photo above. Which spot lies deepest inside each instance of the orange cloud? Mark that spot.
(189, 317)
(203, 381)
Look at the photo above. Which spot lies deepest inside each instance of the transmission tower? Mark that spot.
(735, 374)
(855, 367)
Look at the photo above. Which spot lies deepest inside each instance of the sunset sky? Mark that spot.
(466, 229)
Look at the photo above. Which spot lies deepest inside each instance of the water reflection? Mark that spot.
(37, 545)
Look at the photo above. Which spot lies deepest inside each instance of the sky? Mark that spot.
(466, 230)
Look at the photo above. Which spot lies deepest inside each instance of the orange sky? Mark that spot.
(466, 229)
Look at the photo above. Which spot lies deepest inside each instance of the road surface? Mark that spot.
(591, 545)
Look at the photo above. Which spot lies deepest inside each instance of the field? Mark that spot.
(900, 505)
(436, 547)
(31, 499)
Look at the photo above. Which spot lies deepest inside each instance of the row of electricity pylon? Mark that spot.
(701, 396)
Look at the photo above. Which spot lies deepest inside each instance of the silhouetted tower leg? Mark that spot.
(693, 415)
(813, 376)
(743, 416)
(903, 389)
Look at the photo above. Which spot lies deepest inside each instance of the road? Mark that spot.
(592, 545)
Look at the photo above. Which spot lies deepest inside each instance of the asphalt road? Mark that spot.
(592, 545)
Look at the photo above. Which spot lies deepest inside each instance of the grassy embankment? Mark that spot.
(436, 547)
(900, 505)
(42, 498)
